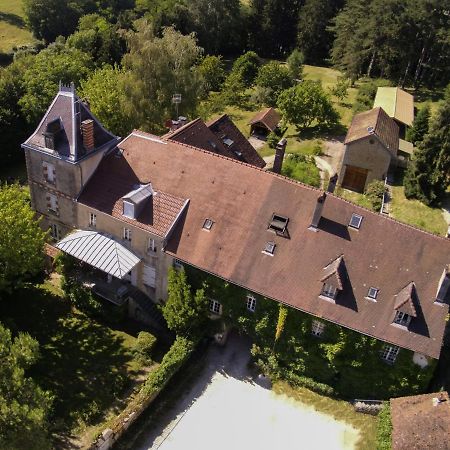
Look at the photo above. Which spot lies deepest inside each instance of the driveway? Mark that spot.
(227, 409)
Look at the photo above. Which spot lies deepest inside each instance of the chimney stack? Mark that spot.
(332, 183)
(87, 131)
(317, 212)
(279, 155)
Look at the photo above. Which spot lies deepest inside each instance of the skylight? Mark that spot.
(228, 142)
(372, 293)
(355, 221)
(207, 224)
(269, 248)
(278, 224)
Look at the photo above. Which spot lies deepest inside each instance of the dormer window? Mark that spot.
(279, 224)
(355, 221)
(329, 291)
(269, 248)
(402, 319)
(372, 293)
(207, 224)
(134, 201)
(128, 210)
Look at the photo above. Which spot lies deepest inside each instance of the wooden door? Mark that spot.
(355, 178)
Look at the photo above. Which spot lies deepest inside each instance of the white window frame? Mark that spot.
(251, 303)
(269, 248)
(215, 307)
(207, 224)
(328, 291)
(372, 293)
(55, 231)
(402, 319)
(359, 218)
(317, 328)
(92, 220)
(151, 245)
(127, 234)
(49, 172)
(389, 353)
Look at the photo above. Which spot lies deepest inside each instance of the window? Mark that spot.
(52, 203)
(402, 318)
(92, 220)
(269, 249)
(278, 224)
(317, 328)
(55, 232)
(128, 210)
(49, 172)
(389, 353)
(127, 234)
(177, 264)
(329, 291)
(151, 245)
(372, 293)
(215, 307)
(228, 142)
(355, 221)
(207, 224)
(251, 303)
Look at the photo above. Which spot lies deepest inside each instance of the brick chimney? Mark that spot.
(87, 131)
(332, 183)
(317, 212)
(279, 155)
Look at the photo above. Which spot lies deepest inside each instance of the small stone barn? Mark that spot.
(264, 122)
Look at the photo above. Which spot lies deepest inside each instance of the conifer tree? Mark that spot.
(420, 126)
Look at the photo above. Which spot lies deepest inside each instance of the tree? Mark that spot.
(295, 64)
(314, 37)
(99, 39)
(428, 174)
(340, 89)
(420, 126)
(105, 92)
(245, 68)
(212, 73)
(21, 238)
(55, 64)
(306, 103)
(184, 312)
(274, 78)
(158, 68)
(24, 405)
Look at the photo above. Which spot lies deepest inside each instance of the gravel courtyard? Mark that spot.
(227, 409)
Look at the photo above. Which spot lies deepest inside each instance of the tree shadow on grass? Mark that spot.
(83, 364)
(12, 19)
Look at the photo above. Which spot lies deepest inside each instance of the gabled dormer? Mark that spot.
(134, 201)
(405, 305)
(333, 278)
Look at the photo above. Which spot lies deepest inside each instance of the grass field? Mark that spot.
(12, 26)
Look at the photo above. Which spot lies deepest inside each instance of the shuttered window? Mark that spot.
(52, 203)
(49, 172)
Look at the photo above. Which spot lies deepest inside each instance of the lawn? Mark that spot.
(12, 26)
(354, 197)
(88, 366)
(416, 213)
(339, 409)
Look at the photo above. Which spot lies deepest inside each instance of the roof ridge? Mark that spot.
(185, 127)
(217, 119)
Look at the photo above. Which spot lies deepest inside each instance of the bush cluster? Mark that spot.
(144, 346)
(375, 192)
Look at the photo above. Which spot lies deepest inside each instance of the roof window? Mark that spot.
(279, 224)
(207, 224)
(228, 142)
(355, 221)
(372, 293)
(269, 248)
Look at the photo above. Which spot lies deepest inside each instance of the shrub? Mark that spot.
(301, 168)
(144, 346)
(309, 383)
(375, 193)
(178, 353)
(272, 139)
(83, 299)
(318, 149)
(384, 428)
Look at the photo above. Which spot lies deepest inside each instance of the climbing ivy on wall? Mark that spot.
(347, 361)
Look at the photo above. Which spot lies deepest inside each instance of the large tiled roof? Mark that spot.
(223, 127)
(70, 111)
(397, 103)
(421, 422)
(269, 117)
(241, 199)
(114, 179)
(374, 122)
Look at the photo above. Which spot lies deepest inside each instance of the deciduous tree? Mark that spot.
(21, 238)
(274, 78)
(24, 406)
